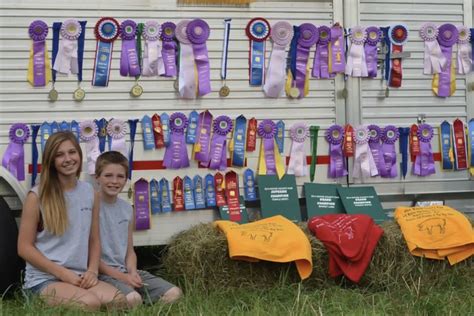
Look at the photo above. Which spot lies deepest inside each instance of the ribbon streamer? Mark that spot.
(201, 148)
(116, 129)
(106, 32)
(153, 63)
(388, 166)
(370, 48)
(142, 205)
(471, 146)
(424, 162)
(299, 132)
(176, 155)
(444, 83)
(434, 59)
(169, 48)
(39, 66)
(198, 32)
(375, 134)
(238, 142)
(89, 131)
(398, 35)
(14, 157)
(464, 58)
(257, 30)
(34, 153)
(403, 146)
(356, 65)
(460, 149)
(132, 123)
(446, 144)
(364, 164)
(337, 165)
(218, 154)
(66, 61)
(187, 82)
(270, 161)
(337, 48)
(321, 55)
(314, 130)
(309, 35)
(129, 65)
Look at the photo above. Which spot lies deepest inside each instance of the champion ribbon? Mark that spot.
(471, 145)
(102, 134)
(192, 127)
(257, 30)
(148, 138)
(89, 131)
(133, 130)
(270, 161)
(155, 197)
(460, 148)
(219, 189)
(337, 165)
(176, 155)
(370, 49)
(106, 32)
(165, 127)
(238, 142)
(188, 193)
(178, 199)
(321, 55)
(199, 198)
(424, 163)
(218, 154)
(225, 49)
(309, 35)
(129, 64)
(314, 130)
(444, 83)
(398, 35)
(356, 65)
(66, 61)
(34, 153)
(14, 157)
(280, 136)
(388, 165)
(201, 148)
(337, 47)
(232, 195)
(153, 63)
(434, 59)
(142, 205)
(281, 35)
(446, 142)
(198, 32)
(375, 135)
(39, 66)
(45, 133)
(75, 129)
(117, 130)
(249, 185)
(169, 48)
(251, 135)
(165, 196)
(364, 164)
(299, 132)
(157, 131)
(187, 82)
(210, 190)
(464, 58)
(403, 146)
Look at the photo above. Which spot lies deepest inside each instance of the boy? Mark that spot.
(118, 265)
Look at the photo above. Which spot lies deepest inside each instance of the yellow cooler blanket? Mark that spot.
(436, 232)
(273, 239)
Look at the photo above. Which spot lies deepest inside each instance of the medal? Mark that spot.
(53, 95)
(79, 94)
(294, 92)
(224, 91)
(136, 90)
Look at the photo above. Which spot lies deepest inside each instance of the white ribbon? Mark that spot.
(66, 59)
(119, 144)
(356, 65)
(297, 164)
(187, 82)
(92, 149)
(464, 58)
(276, 73)
(364, 163)
(153, 64)
(434, 60)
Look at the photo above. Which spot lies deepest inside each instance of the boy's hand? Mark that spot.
(134, 279)
(89, 279)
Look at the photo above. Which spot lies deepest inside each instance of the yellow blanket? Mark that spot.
(273, 239)
(436, 232)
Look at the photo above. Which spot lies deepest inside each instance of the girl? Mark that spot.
(59, 232)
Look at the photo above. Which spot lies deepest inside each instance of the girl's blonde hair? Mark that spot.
(51, 195)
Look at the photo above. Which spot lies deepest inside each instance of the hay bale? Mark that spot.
(200, 255)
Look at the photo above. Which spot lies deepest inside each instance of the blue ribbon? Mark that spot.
(387, 56)
(34, 153)
(65, 126)
(191, 130)
(280, 135)
(199, 197)
(155, 197)
(403, 145)
(249, 185)
(165, 127)
(257, 63)
(45, 133)
(102, 64)
(165, 196)
(80, 49)
(56, 30)
(470, 137)
(188, 193)
(102, 135)
(446, 145)
(293, 49)
(75, 129)
(210, 190)
(238, 154)
(147, 128)
(54, 127)
(133, 131)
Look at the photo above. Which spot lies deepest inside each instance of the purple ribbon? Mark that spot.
(176, 154)
(389, 164)
(309, 35)
(142, 205)
(129, 65)
(218, 154)
(424, 162)
(337, 166)
(38, 31)
(321, 55)
(169, 48)
(267, 130)
(198, 32)
(14, 157)
(373, 37)
(204, 137)
(337, 51)
(447, 37)
(375, 133)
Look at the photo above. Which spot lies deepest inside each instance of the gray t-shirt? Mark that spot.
(70, 250)
(114, 221)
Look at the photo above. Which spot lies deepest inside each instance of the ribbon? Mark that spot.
(165, 196)
(75, 129)
(434, 59)
(218, 154)
(444, 83)
(321, 55)
(133, 130)
(375, 134)
(169, 48)
(299, 132)
(281, 35)
(257, 30)
(187, 83)
(14, 157)
(80, 50)
(39, 67)
(337, 56)
(89, 131)
(251, 135)
(153, 63)
(165, 127)
(387, 47)
(290, 87)
(424, 163)
(460, 149)
(219, 189)
(148, 137)
(370, 49)
(188, 193)
(471, 145)
(155, 197)
(198, 32)
(249, 185)
(191, 130)
(472, 48)
(201, 148)
(464, 58)
(54, 127)
(129, 65)
(314, 130)
(176, 155)
(414, 142)
(210, 190)
(348, 145)
(34, 153)
(238, 142)
(364, 164)
(66, 60)
(388, 165)
(232, 196)
(446, 144)
(102, 134)
(106, 32)
(117, 130)
(56, 30)
(404, 133)
(270, 161)
(178, 199)
(45, 133)
(309, 35)
(356, 65)
(280, 136)
(398, 35)
(225, 49)
(199, 198)
(337, 166)
(157, 131)
(142, 205)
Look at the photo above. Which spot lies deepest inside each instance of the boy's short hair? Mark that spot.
(108, 158)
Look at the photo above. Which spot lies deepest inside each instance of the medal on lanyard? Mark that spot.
(257, 30)
(142, 205)
(249, 185)
(219, 188)
(148, 137)
(291, 90)
(106, 32)
(165, 195)
(199, 198)
(444, 83)
(155, 197)
(224, 90)
(178, 199)
(14, 157)
(53, 93)
(460, 149)
(39, 68)
(188, 193)
(137, 89)
(446, 141)
(232, 196)
(210, 191)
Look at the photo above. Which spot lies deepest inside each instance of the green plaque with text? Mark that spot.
(279, 197)
(322, 199)
(362, 200)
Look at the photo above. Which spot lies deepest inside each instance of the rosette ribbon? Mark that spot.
(187, 82)
(337, 165)
(129, 64)
(89, 134)
(370, 48)
(66, 60)
(218, 153)
(398, 35)
(201, 147)
(299, 132)
(39, 66)
(375, 134)
(198, 32)
(424, 162)
(153, 64)
(270, 161)
(309, 35)
(470, 141)
(388, 166)
(117, 129)
(106, 32)
(176, 154)
(434, 59)
(169, 48)
(337, 48)
(364, 164)
(281, 35)
(257, 30)
(14, 157)
(444, 83)
(356, 65)
(321, 55)
(464, 58)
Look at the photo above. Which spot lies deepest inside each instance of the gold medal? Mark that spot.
(53, 95)
(224, 91)
(136, 91)
(176, 85)
(79, 94)
(130, 193)
(294, 93)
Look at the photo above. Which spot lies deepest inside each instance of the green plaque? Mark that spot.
(224, 211)
(362, 200)
(322, 199)
(279, 197)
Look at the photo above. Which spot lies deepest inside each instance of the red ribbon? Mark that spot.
(396, 70)
(414, 142)
(158, 131)
(460, 144)
(252, 135)
(232, 195)
(178, 194)
(348, 146)
(219, 188)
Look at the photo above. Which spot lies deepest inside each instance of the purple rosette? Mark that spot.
(128, 29)
(222, 125)
(388, 163)
(361, 135)
(448, 35)
(429, 32)
(176, 155)
(309, 35)
(358, 35)
(324, 35)
(19, 133)
(198, 31)
(116, 128)
(107, 29)
(282, 33)
(398, 34)
(129, 60)
(373, 35)
(14, 157)
(151, 31)
(390, 134)
(375, 132)
(169, 48)
(38, 30)
(218, 153)
(168, 30)
(337, 165)
(464, 35)
(335, 134)
(178, 122)
(258, 29)
(425, 133)
(71, 29)
(88, 130)
(424, 162)
(181, 33)
(266, 129)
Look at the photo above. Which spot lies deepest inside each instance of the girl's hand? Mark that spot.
(133, 278)
(89, 279)
(70, 277)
